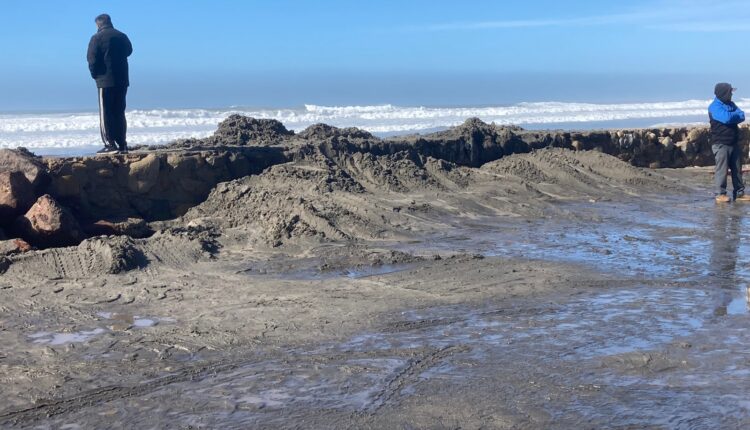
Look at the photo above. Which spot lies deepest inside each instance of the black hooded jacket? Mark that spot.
(108, 54)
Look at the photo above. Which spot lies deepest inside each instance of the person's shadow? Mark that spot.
(725, 238)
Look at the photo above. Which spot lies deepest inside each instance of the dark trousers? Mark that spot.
(728, 157)
(112, 122)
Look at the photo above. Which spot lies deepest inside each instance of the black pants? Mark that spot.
(728, 157)
(112, 120)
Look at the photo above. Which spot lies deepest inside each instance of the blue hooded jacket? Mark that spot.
(725, 117)
(728, 114)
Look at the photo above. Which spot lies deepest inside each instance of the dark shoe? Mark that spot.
(107, 150)
(123, 151)
(723, 198)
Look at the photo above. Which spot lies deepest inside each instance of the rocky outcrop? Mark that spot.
(48, 223)
(16, 196)
(238, 130)
(241, 130)
(21, 160)
(124, 194)
(325, 131)
(475, 143)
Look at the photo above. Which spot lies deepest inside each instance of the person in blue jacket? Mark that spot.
(725, 118)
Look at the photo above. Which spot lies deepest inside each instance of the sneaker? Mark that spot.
(107, 150)
(723, 198)
(743, 198)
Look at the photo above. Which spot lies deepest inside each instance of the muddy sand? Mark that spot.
(554, 289)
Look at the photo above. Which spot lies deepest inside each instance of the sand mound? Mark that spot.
(319, 197)
(293, 200)
(114, 254)
(570, 173)
(99, 256)
(330, 195)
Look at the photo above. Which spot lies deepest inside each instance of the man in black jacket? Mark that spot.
(725, 118)
(108, 55)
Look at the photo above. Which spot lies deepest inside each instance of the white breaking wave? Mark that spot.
(160, 126)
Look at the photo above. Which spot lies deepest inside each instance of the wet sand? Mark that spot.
(597, 296)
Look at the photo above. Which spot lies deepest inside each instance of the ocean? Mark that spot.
(72, 133)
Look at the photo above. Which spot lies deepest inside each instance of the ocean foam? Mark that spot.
(158, 126)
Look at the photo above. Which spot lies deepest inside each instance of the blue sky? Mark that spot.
(283, 52)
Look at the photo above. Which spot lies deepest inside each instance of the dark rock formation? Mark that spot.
(238, 130)
(16, 196)
(48, 223)
(325, 131)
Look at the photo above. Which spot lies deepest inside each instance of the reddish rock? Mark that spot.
(49, 224)
(16, 196)
(21, 160)
(14, 246)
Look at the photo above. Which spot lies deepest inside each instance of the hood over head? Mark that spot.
(723, 92)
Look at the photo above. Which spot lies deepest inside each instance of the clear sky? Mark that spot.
(435, 52)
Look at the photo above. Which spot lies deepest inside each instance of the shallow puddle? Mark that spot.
(47, 338)
(114, 322)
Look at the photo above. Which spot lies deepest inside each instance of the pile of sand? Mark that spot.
(359, 196)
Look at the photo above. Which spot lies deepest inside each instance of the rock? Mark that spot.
(241, 130)
(666, 142)
(67, 186)
(143, 174)
(21, 160)
(2, 235)
(654, 165)
(49, 224)
(14, 246)
(16, 196)
(133, 227)
(686, 146)
(577, 145)
(698, 137)
(325, 131)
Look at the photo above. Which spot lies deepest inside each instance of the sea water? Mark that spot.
(77, 133)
